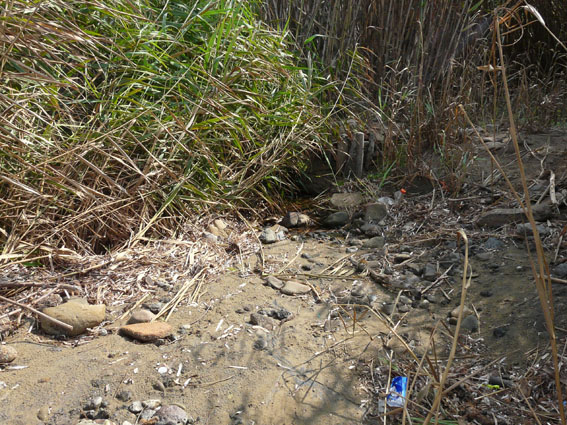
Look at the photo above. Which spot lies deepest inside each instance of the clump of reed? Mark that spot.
(120, 117)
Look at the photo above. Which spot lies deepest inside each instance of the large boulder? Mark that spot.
(76, 312)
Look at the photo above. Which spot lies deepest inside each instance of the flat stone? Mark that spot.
(96, 422)
(141, 316)
(337, 219)
(501, 216)
(293, 287)
(377, 242)
(77, 313)
(525, 229)
(7, 354)
(295, 219)
(274, 282)
(375, 212)
(347, 200)
(147, 332)
(171, 415)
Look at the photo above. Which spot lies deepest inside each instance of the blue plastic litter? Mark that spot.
(398, 390)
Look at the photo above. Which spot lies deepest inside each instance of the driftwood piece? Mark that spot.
(39, 313)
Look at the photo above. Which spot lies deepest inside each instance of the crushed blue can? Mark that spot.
(398, 391)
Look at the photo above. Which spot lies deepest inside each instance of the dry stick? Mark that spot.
(39, 285)
(290, 261)
(419, 367)
(464, 287)
(39, 313)
(544, 288)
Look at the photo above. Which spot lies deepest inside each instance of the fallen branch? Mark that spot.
(39, 313)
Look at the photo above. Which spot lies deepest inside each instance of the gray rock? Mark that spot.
(347, 200)
(370, 229)
(484, 256)
(387, 309)
(337, 219)
(274, 282)
(295, 219)
(560, 270)
(7, 354)
(172, 415)
(375, 212)
(136, 407)
(292, 287)
(470, 323)
(386, 200)
(525, 229)
(500, 331)
(124, 395)
(493, 244)
(141, 316)
(268, 236)
(351, 249)
(377, 242)
(501, 216)
(77, 313)
(430, 272)
(93, 403)
(424, 304)
(147, 415)
(404, 308)
(432, 298)
(405, 300)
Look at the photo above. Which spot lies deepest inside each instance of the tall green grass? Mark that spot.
(117, 115)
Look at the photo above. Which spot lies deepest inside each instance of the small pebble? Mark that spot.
(151, 404)
(124, 396)
(7, 354)
(136, 407)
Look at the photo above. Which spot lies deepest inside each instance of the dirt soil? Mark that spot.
(329, 354)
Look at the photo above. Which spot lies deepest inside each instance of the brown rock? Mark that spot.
(77, 313)
(7, 354)
(293, 287)
(266, 322)
(141, 316)
(147, 332)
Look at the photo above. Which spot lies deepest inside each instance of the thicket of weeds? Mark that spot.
(422, 60)
(118, 117)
